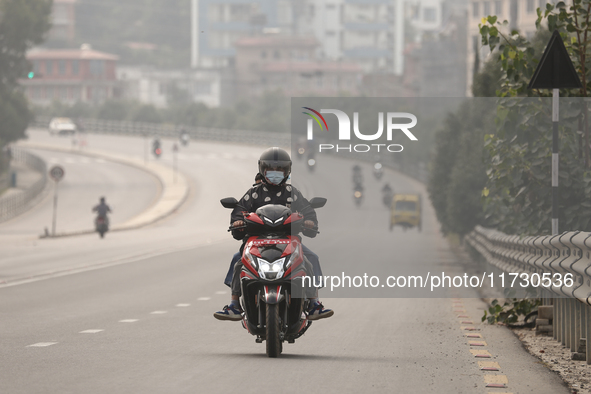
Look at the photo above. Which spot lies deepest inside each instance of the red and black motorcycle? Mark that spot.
(272, 278)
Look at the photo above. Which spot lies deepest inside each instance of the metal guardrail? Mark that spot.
(141, 129)
(15, 204)
(250, 137)
(566, 253)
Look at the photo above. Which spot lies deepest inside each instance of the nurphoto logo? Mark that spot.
(392, 124)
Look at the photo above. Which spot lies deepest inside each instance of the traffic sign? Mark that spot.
(555, 70)
(56, 173)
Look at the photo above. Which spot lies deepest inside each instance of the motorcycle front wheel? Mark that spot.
(273, 334)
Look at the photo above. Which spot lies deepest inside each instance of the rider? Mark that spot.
(275, 167)
(258, 178)
(102, 209)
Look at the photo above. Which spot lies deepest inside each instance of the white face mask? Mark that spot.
(275, 177)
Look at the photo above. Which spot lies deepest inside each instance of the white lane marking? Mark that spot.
(183, 305)
(221, 292)
(128, 321)
(158, 312)
(203, 298)
(90, 331)
(42, 344)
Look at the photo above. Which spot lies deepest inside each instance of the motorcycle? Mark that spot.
(185, 139)
(358, 197)
(273, 275)
(101, 224)
(378, 171)
(156, 148)
(311, 163)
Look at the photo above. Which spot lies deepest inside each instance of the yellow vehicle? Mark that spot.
(405, 211)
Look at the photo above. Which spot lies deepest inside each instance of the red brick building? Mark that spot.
(71, 75)
(289, 64)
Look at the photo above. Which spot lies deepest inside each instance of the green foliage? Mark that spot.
(510, 311)
(517, 197)
(458, 173)
(23, 23)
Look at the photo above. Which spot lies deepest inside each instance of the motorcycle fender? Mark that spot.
(273, 295)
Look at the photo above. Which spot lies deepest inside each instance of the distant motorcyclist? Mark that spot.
(184, 137)
(388, 193)
(101, 222)
(357, 176)
(102, 209)
(275, 167)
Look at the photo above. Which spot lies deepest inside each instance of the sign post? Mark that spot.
(175, 149)
(555, 71)
(56, 173)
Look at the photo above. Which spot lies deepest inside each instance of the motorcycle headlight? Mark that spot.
(271, 270)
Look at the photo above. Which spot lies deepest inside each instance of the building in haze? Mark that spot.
(63, 21)
(71, 75)
(289, 64)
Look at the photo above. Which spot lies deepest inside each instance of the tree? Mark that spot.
(23, 23)
(517, 197)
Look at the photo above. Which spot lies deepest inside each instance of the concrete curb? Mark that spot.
(173, 194)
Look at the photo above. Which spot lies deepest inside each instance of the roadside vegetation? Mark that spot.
(493, 167)
(23, 24)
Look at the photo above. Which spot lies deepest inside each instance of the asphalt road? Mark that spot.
(150, 315)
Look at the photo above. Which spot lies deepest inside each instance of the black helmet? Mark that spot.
(102, 200)
(275, 159)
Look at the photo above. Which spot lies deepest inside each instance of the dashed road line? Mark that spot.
(42, 344)
(490, 381)
(497, 381)
(90, 331)
(183, 305)
(128, 321)
(221, 292)
(480, 353)
(489, 366)
(158, 312)
(203, 298)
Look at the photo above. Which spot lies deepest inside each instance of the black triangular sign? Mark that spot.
(555, 70)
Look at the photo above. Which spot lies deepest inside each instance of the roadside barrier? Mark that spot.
(16, 203)
(260, 138)
(566, 253)
(141, 129)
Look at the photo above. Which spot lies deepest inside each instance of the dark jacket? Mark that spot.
(263, 194)
(102, 209)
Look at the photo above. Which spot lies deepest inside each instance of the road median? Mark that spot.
(174, 186)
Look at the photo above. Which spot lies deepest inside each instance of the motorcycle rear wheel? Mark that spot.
(273, 328)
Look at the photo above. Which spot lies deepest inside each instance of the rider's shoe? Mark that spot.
(317, 311)
(230, 312)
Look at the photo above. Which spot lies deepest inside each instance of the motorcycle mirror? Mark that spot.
(229, 202)
(318, 202)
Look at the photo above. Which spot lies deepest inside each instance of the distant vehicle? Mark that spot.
(378, 171)
(358, 195)
(62, 126)
(405, 211)
(156, 148)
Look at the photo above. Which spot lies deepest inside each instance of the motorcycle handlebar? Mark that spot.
(244, 226)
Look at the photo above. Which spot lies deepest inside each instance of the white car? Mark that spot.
(62, 126)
